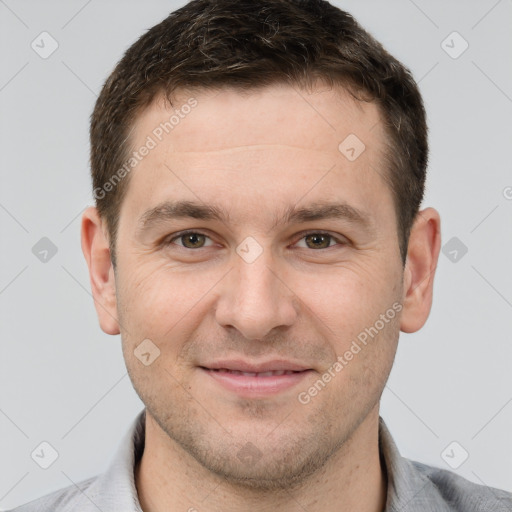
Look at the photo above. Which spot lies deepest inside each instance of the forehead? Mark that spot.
(272, 144)
(321, 118)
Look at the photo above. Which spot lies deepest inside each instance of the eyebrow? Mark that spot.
(325, 210)
(172, 210)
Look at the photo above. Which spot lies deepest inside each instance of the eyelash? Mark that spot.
(303, 235)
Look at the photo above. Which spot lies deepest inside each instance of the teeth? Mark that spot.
(274, 373)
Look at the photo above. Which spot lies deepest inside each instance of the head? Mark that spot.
(293, 149)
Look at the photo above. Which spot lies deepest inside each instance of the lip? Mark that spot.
(265, 366)
(241, 377)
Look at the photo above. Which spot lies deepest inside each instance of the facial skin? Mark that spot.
(253, 156)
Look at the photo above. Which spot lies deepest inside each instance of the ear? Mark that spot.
(420, 267)
(97, 254)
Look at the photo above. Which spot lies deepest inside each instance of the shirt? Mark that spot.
(412, 486)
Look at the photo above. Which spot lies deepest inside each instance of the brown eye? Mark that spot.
(194, 239)
(190, 240)
(318, 240)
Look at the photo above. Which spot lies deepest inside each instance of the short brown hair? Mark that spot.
(246, 44)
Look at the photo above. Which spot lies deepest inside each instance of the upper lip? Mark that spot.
(245, 366)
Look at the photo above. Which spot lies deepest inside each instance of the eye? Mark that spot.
(313, 240)
(319, 240)
(190, 240)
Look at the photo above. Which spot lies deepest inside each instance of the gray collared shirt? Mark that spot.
(412, 486)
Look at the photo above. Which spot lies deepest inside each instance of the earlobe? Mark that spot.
(96, 251)
(422, 258)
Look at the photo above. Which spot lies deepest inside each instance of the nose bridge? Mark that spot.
(257, 282)
(255, 300)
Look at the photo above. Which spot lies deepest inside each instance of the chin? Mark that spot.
(279, 466)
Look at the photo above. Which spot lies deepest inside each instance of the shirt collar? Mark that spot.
(115, 489)
(408, 488)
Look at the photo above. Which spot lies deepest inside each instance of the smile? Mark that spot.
(253, 374)
(255, 384)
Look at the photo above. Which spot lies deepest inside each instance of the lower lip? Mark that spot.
(257, 386)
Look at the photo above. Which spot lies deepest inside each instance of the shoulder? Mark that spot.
(463, 495)
(413, 485)
(65, 499)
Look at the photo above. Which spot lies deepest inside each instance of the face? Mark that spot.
(256, 251)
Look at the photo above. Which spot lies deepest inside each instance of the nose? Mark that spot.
(256, 298)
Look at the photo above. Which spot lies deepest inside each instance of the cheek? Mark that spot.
(157, 300)
(344, 300)
(350, 310)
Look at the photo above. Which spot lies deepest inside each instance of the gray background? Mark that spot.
(62, 380)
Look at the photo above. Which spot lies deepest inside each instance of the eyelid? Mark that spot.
(341, 240)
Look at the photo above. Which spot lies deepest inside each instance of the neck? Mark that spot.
(168, 478)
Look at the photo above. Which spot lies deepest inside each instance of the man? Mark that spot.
(258, 169)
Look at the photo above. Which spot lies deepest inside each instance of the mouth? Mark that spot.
(271, 373)
(251, 380)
